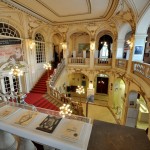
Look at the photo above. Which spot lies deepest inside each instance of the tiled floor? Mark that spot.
(97, 110)
(99, 113)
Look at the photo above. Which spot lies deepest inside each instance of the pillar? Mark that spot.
(139, 42)
(120, 48)
(130, 55)
(92, 52)
(114, 48)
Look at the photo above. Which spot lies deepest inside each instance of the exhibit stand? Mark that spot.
(43, 126)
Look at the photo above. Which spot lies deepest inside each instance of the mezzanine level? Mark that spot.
(142, 70)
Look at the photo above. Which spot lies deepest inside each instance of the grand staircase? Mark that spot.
(37, 96)
(40, 86)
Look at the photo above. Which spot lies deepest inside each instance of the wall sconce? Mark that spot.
(92, 45)
(130, 43)
(31, 44)
(64, 45)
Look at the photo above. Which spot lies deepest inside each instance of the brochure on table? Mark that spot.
(65, 134)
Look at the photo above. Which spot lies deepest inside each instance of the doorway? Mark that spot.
(102, 85)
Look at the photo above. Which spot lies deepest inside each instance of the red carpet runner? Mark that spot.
(35, 97)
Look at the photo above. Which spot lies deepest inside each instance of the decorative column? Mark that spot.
(125, 107)
(63, 30)
(111, 91)
(120, 48)
(92, 27)
(131, 43)
(139, 46)
(92, 51)
(114, 48)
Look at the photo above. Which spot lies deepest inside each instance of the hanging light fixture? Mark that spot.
(15, 71)
(65, 110)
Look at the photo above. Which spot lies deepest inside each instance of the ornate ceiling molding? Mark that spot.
(59, 15)
(112, 5)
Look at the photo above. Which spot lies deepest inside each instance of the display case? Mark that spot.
(45, 126)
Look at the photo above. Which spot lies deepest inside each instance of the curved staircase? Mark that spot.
(37, 96)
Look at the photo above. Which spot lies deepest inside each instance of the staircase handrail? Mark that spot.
(12, 96)
(57, 72)
(61, 98)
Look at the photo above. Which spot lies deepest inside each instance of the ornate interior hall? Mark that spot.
(78, 63)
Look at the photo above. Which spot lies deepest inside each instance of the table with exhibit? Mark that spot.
(45, 126)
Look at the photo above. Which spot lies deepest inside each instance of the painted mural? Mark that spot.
(10, 52)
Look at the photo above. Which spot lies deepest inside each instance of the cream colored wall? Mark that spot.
(28, 26)
(77, 39)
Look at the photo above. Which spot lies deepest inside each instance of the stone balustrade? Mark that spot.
(79, 60)
(57, 72)
(61, 98)
(103, 61)
(121, 63)
(142, 70)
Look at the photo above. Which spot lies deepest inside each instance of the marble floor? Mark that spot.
(98, 110)
(99, 113)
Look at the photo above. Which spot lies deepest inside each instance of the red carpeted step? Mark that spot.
(33, 97)
(39, 102)
(40, 91)
(44, 103)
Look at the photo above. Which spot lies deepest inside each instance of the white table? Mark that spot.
(51, 139)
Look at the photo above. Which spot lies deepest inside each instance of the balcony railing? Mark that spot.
(142, 70)
(121, 63)
(103, 61)
(79, 60)
(61, 98)
(57, 72)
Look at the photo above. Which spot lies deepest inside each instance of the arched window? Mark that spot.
(8, 30)
(40, 48)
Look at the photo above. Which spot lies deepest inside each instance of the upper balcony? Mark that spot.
(140, 69)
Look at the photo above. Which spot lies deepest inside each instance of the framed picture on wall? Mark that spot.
(138, 49)
(83, 46)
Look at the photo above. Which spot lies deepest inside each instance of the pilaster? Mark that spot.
(120, 48)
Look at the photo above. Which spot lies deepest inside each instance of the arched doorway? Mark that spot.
(57, 49)
(138, 113)
(102, 81)
(104, 47)
(126, 49)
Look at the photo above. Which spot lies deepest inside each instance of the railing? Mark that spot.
(103, 61)
(79, 60)
(121, 63)
(142, 70)
(61, 98)
(13, 97)
(57, 72)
